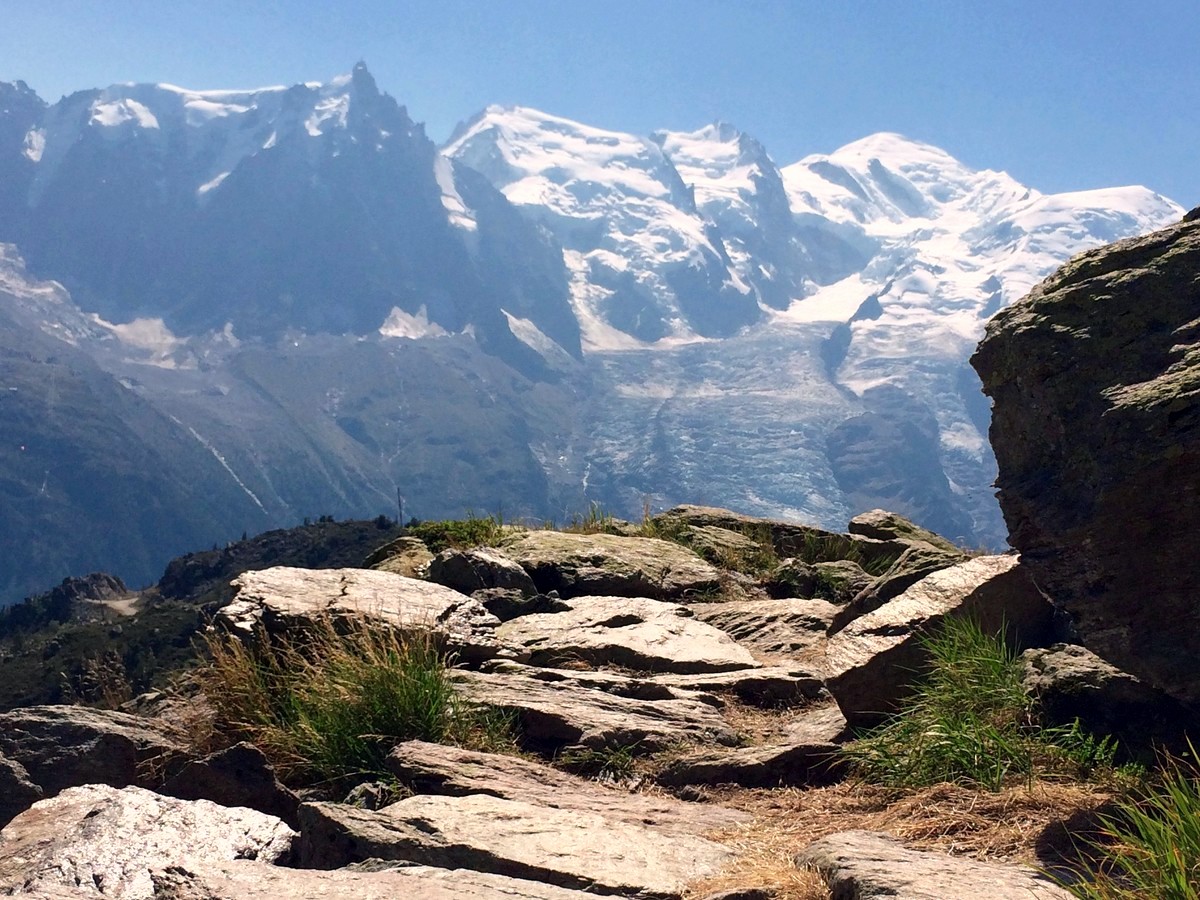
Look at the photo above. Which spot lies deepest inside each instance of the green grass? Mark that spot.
(460, 534)
(970, 722)
(328, 704)
(594, 521)
(1151, 845)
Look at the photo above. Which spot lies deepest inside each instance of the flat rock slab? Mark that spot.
(806, 754)
(66, 746)
(863, 865)
(246, 880)
(872, 663)
(634, 632)
(769, 686)
(788, 626)
(435, 769)
(284, 597)
(568, 848)
(578, 565)
(552, 715)
(100, 841)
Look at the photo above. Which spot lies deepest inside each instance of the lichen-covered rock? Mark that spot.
(885, 526)
(578, 565)
(634, 632)
(101, 841)
(872, 663)
(284, 597)
(1095, 382)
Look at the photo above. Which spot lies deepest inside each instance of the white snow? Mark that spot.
(401, 324)
(532, 336)
(213, 183)
(457, 210)
(117, 112)
(35, 144)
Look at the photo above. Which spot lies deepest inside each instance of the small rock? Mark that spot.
(407, 556)
(884, 526)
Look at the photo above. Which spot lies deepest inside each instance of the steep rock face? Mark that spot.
(322, 207)
(1095, 378)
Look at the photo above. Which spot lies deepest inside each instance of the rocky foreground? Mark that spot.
(601, 645)
(708, 667)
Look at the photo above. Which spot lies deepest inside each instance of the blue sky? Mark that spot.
(1063, 94)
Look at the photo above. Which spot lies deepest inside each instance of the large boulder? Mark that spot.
(468, 571)
(1073, 683)
(863, 865)
(283, 598)
(17, 792)
(577, 565)
(634, 632)
(102, 841)
(64, 746)
(1095, 382)
(872, 663)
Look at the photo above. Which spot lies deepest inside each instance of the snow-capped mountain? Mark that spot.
(320, 207)
(303, 303)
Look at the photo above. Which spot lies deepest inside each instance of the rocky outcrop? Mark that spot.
(66, 746)
(791, 626)
(102, 841)
(578, 565)
(805, 754)
(558, 714)
(863, 865)
(451, 771)
(17, 792)
(284, 597)
(872, 663)
(645, 635)
(576, 849)
(1095, 382)
(406, 556)
(1071, 683)
(236, 776)
(468, 571)
(247, 880)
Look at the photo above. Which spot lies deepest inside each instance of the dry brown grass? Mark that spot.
(1021, 823)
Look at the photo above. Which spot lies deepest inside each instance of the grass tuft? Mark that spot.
(460, 534)
(971, 722)
(1150, 848)
(328, 704)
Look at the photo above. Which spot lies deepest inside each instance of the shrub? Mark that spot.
(971, 722)
(329, 703)
(1151, 846)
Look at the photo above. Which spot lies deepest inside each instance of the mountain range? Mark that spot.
(223, 311)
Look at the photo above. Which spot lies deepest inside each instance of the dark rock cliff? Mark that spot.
(1095, 377)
